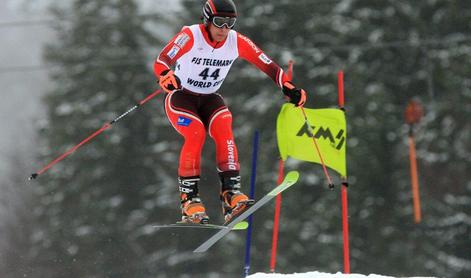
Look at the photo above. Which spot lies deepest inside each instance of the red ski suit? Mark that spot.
(202, 64)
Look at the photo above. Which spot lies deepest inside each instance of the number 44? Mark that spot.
(205, 74)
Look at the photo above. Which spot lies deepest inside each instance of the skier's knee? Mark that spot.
(221, 124)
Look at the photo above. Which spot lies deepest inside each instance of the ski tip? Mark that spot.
(292, 177)
(241, 225)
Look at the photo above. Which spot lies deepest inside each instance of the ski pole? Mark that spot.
(93, 135)
(311, 133)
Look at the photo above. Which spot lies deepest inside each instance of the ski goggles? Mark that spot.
(220, 21)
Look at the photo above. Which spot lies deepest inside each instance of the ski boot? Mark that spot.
(233, 201)
(193, 210)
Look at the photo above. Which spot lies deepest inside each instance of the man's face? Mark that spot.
(218, 34)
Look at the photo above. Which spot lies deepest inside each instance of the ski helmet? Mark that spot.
(213, 8)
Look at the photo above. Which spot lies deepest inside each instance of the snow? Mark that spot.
(316, 274)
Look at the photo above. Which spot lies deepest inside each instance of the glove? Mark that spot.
(169, 82)
(296, 96)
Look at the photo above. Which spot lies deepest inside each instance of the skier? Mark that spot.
(202, 55)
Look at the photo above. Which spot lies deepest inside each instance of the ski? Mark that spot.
(290, 179)
(240, 226)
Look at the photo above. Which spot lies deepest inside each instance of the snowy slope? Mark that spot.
(320, 275)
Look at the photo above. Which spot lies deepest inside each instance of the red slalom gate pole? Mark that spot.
(93, 135)
(340, 89)
(346, 241)
(276, 220)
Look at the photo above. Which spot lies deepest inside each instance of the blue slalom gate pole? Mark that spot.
(252, 193)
